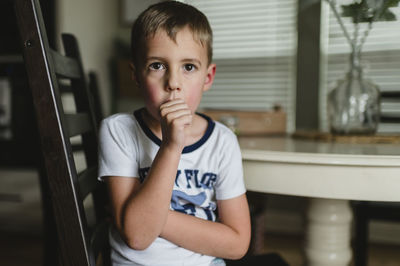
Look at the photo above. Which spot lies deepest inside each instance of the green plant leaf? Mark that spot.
(393, 3)
(369, 10)
(388, 16)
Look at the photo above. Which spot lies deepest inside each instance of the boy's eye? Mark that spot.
(189, 67)
(156, 66)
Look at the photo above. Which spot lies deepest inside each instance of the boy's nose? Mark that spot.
(173, 82)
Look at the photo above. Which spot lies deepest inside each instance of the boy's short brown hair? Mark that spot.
(170, 16)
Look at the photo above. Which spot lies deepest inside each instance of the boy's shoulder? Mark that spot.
(223, 132)
(223, 128)
(119, 117)
(224, 140)
(119, 120)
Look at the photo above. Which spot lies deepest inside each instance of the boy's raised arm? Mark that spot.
(141, 210)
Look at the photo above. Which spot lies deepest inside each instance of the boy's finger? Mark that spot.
(178, 114)
(172, 102)
(173, 108)
(164, 110)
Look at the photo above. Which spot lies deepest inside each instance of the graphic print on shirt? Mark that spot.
(190, 193)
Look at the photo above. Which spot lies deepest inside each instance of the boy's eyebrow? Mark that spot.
(191, 60)
(154, 58)
(187, 60)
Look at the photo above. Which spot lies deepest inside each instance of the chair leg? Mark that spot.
(257, 204)
(50, 239)
(361, 237)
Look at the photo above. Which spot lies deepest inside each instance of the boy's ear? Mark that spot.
(133, 73)
(210, 76)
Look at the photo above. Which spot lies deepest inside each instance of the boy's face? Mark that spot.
(172, 70)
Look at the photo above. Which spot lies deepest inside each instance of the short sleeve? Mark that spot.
(230, 182)
(117, 149)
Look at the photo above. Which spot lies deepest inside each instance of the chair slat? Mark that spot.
(87, 181)
(64, 88)
(390, 95)
(78, 124)
(390, 119)
(65, 66)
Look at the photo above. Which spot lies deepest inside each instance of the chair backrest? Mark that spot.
(391, 97)
(82, 238)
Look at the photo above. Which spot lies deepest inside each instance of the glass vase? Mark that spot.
(354, 103)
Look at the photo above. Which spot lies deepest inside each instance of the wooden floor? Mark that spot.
(291, 249)
(23, 250)
(20, 249)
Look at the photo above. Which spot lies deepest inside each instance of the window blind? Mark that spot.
(254, 49)
(380, 58)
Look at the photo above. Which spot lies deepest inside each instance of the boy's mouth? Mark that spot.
(172, 96)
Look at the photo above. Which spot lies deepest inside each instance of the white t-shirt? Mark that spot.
(209, 170)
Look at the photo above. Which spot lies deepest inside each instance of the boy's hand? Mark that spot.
(175, 116)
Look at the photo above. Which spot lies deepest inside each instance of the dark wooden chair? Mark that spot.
(364, 211)
(94, 89)
(82, 229)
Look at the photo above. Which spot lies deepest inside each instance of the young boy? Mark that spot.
(174, 176)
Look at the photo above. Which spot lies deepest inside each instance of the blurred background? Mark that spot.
(271, 55)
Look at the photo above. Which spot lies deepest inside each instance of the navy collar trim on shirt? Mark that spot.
(187, 149)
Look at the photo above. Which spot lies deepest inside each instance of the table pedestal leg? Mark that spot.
(328, 233)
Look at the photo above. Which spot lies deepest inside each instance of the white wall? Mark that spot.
(95, 24)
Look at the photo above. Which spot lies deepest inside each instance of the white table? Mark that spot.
(330, 174)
